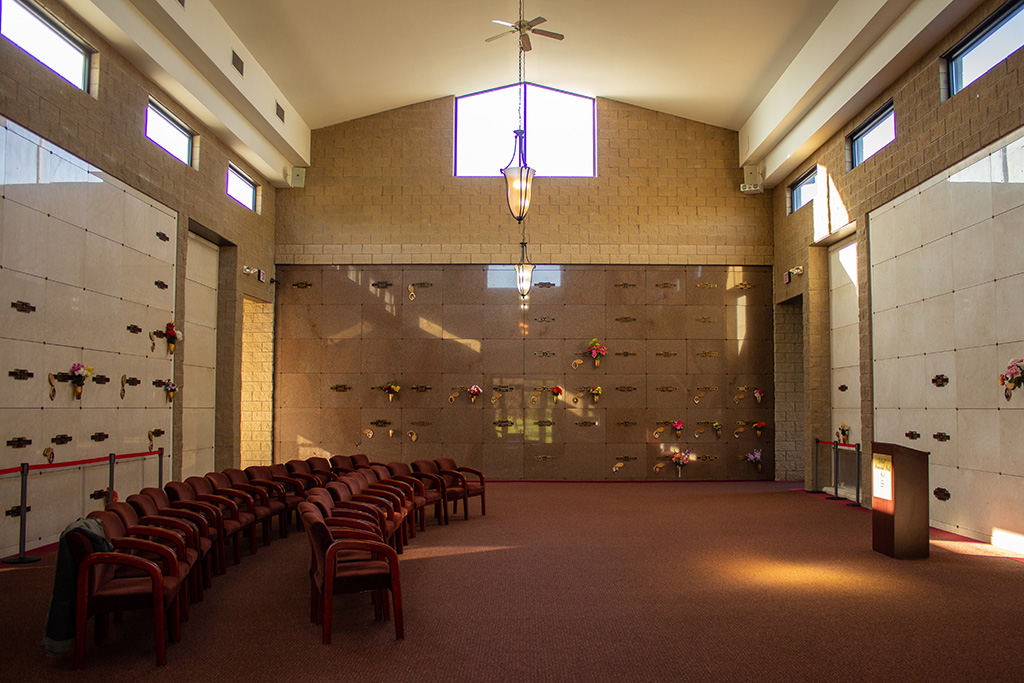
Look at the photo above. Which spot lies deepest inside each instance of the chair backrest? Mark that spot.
(319, 497)
(112, 529)
(360, 460)
(180, 490)
(317, 463)
(260, 472)
(428, 466)
(144, 505)
(354, 483)
(236, 476)
(339, 491)
(381, 472)
(299, 466)
(159, 496)
(200, 485)
(399, 469)
(279, 470)
(445, 464)
(342, 461)
(219, 480)
(125, 512)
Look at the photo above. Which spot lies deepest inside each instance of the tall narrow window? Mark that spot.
(166, 130)
(874, 134)
(802, 191)
(992, 42)
(241, 187)
(42, 36)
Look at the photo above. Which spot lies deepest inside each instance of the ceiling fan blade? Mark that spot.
(524, 42)
(504, 33)
(503, 23)
(547, 34)
(536, 22)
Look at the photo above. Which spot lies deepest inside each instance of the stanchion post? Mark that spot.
(835, 472)
(856, 502)
(814, 467)
(21, 510)
(160, 467)
(110, 479)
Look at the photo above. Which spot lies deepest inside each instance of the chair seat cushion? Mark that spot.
(474, 488)
(132, 593)
(361, 576)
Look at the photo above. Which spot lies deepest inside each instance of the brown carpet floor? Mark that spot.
(589, 582)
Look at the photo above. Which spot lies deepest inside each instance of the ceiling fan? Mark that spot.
(524, 29)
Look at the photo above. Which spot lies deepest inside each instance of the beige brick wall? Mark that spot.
(381, 190)
(108, 131)
(931, 135)
(257, 414)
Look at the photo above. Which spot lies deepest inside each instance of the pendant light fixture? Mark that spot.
(519, 181)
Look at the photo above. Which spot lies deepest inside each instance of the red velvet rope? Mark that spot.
(77, 463)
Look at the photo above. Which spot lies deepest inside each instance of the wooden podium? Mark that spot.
(899, 519)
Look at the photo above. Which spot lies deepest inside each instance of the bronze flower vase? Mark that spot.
(170, 397)
(170, 347)
(77, 388)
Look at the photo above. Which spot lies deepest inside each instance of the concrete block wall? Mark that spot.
(932, 134)
(108, 131)
(381, 190)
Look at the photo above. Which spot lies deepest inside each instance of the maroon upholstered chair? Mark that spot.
(300, 469)
(199, 513)
(145, 506)
(387, 502)
(340, 464)
(379, 477)
(275, 496)
(356, 518)
(227, 519)
(454, 486)
(294, 490)
(423, 497)
(328, 575)
(235, 504)
(260, 501)
(321, 467)
(174, 533)
(360, 460)
(449, 470)
(100, 590)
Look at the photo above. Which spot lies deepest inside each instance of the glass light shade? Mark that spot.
(519, 180)
(524, 278)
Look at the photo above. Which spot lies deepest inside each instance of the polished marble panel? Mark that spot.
(706, 285)
(583, 285)
(502, 460)
(540, 321)
(666, 286)
(625, 286)
(341, 355)
(546, 462)
(422, 321)
(300, 286)
(587, 321)
(546, 356)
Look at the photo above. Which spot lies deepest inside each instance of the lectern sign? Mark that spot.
(881, 476)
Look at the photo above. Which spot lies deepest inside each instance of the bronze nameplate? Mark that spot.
(160, 284)
(19, 373)
(843, 387)
(544, 423)
(134, 329)
(158, 383)
(708, 354)
(941, 436)
(157, 432)
(707, 389)
(744, 285)
(942, 494)
(544, 354)
(625, 354)
(420, 388)
(586, 423)
(341, 388)
(625, 458)
(422, 285)
(625, 388)
(665, 285)
(666, 354)
(101, 379)
(940, 380)
(503, 423)
(381, 284)
(159, 334)
(706, 319)
(100, 436)
(61, 439)
(707, 285)
(625, 285)
(133, 381)
(545, 319)
(302, 285)
(381, 423)
(626, 423)
(162, 236)
(62, 376)
(706, 458)
(544, 458)
(544, 285)
(23, 307)
(625, 319)
(504, 388)
(421, 423)
(20, 442)
(666, 388)
(912, 435)
(706, 423)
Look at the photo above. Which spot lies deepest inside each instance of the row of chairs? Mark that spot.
(166, 544)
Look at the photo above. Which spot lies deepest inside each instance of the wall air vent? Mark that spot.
(237, 62)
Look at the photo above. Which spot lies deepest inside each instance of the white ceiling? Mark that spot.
(699, 59)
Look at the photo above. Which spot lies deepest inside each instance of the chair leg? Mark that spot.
(237, 547)
(252, 538)
(159, 634)
(465, 507)
(396, 598)
(328, 609)
(483, 504)
(282, 523)
(267, 523)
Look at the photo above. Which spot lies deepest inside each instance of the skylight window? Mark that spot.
(802, 191)
(164, 128)
(43, 37)
(241, 188)
(991, 43)
(559, 131)
(874, 134)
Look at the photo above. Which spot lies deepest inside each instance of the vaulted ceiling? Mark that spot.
(785, 74)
